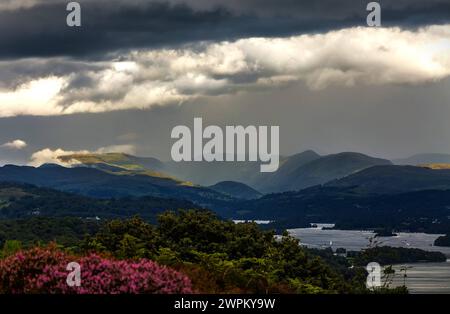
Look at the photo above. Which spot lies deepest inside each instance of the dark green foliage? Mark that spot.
(10, 247)
(221, 256)
(67, 231)
(132, 238)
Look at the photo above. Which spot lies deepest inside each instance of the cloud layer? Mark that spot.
(16, 144)
(110, 26)
(50, 156)
(144, 78)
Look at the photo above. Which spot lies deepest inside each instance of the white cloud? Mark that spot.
(16, 144)
(361, 55)
(38, 97)
(50, 156)
(126, 149)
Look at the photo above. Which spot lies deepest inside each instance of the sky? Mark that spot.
(135, 69)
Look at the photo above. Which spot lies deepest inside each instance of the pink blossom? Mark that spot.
(43, 270)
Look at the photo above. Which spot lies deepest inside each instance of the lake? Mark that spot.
(421, 277)
(355, 240)
(425, 278)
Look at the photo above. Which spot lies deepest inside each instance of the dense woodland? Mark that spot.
(218, 256)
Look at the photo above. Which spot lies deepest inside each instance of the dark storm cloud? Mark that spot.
(111, 26)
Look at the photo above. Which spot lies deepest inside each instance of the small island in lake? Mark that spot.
(443, 241)
(384, 233)
(386, 255)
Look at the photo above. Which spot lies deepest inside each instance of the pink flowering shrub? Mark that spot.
(43, 270)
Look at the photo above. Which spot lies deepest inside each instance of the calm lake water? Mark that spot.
(424, 277)
(355, 240)
(421, 277)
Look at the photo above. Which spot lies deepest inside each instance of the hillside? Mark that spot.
(279, 180)
(396, 179)
(236, 189)
(23, 200)
(118, 162)
(97, 183)
(348, 209)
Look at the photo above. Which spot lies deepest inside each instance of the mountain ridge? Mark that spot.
(396, 179)
(323, 169)
(296, 172)
(100, 184)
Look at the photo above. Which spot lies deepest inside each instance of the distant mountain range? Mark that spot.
(309, 169)
(295, 173)
(348, 188)
(117, 175)
(105, 184)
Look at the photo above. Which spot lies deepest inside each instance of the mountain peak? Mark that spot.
(50, 165)
(305, 170)
(236, 189)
